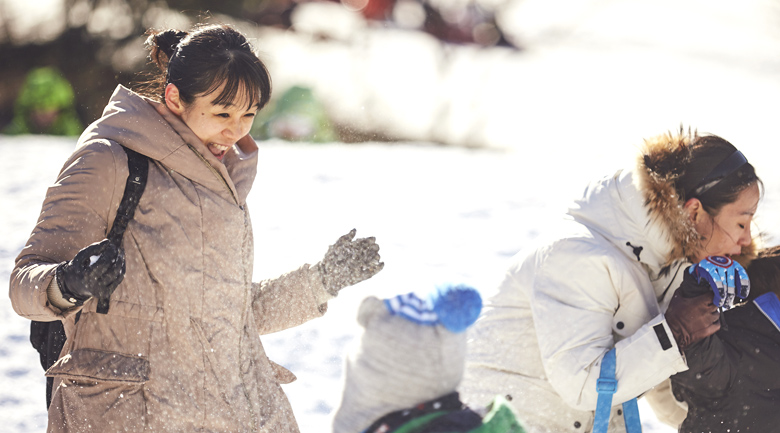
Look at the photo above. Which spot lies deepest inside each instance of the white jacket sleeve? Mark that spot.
(587, 299)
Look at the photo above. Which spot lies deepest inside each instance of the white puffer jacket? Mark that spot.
(605, 284)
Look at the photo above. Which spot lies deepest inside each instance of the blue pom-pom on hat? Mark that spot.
(456, 307)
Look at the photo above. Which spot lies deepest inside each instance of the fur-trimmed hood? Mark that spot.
(639, 209)
(664, 205)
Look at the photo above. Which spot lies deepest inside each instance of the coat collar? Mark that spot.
(614, 207)
(150, 128)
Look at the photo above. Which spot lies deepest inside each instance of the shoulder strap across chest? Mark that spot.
(138, 167)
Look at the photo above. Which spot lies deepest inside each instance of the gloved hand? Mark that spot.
(348, 262)
(691, 314)
(96, 271)
(726, 278)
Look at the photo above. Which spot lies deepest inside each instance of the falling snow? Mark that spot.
(574, 107)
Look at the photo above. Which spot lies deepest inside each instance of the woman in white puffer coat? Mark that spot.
(610, 283)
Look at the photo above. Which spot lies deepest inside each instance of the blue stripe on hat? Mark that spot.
(456, 307)
(412, 308)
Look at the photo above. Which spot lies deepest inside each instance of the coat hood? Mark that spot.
(664, 206)
(150, 128)
(640, 211)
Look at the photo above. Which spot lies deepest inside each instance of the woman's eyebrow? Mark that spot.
(230, 105)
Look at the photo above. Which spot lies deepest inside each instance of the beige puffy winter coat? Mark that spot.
(179, 349)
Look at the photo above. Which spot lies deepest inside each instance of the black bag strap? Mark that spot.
(138, 166)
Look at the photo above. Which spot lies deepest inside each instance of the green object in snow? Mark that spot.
(295, 116)
(45, 105)
(500, 418)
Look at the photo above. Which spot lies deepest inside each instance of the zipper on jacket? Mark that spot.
(216, 173)
(663, 295)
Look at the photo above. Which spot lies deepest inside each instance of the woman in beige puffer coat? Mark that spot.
(178, 349)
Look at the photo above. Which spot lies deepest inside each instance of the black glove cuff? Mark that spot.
(690, 288)
(66, 293)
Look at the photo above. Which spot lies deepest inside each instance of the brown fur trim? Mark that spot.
(660, 164)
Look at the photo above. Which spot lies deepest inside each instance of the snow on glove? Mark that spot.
(349, 261)
(727, 279)
(96, 271)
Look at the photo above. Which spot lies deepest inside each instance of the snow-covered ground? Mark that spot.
(597, 77)
(439, 214)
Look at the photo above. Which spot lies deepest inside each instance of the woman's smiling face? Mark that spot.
(218, 126)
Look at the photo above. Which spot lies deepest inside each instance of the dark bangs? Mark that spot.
(244, 78)
(214, 56)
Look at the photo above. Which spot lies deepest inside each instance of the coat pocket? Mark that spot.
(100, 365)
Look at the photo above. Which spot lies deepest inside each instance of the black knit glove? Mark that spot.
(349, 262)
(96, 271)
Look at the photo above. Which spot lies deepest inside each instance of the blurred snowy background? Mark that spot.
(458, 139)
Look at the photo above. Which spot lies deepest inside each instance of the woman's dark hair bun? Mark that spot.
(671, 155)
(169, 39)
(208, 59)
(670, 164)
(164, 43)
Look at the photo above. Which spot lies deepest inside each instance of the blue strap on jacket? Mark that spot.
(770, 306)
(606, 386)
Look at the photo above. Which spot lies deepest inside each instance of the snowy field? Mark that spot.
(597, 78)
(439, 215)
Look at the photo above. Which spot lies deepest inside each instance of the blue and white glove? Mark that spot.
(728, 280)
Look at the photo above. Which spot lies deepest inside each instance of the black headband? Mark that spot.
(734, 162)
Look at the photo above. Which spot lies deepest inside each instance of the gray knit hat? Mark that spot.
(410, 350)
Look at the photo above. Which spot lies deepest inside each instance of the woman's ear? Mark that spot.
(173, 99)
(693, 209)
